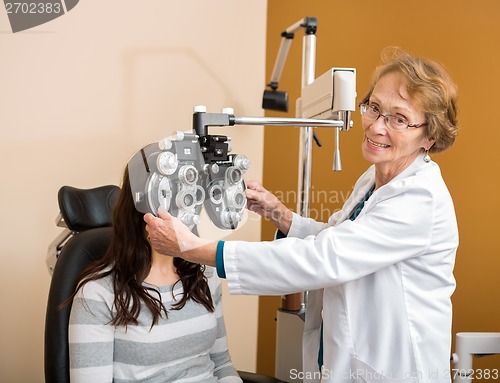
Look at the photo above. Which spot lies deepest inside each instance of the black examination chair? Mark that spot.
(86, 214)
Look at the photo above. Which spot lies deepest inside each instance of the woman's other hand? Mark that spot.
(267, 205)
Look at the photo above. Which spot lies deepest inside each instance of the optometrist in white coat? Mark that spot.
(380, 272)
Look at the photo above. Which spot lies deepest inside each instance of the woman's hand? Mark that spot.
(267, 205)
(169, 236)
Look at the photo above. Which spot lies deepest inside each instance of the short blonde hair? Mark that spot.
(429, 85)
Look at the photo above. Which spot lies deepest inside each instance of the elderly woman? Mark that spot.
(380, 272)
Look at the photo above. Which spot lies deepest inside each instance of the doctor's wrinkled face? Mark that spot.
(394, 127)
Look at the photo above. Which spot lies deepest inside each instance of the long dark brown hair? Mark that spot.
(128, 260)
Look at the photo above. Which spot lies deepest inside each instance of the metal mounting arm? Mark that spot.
(202, 120)
(310, 24)
(274, 99)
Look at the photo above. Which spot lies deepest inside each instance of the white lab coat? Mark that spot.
(382, 283)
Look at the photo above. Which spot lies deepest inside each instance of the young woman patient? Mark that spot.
(139, 316)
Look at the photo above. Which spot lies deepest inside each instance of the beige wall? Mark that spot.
(464, 36)
(78, 96)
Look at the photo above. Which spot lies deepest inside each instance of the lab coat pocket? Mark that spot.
(367, 374)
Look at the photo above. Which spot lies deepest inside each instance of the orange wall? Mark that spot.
(352, 34)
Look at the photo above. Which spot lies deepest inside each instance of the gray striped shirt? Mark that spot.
(189, 346)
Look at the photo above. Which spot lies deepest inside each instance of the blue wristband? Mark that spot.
(219, 260)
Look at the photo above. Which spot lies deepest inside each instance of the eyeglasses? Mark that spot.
(372, 113)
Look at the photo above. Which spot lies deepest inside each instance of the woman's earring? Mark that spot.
(427, 158)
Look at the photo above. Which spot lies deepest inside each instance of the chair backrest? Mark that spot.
(88, 214)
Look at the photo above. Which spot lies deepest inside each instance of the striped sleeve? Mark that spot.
(91, 336)
(219, 353)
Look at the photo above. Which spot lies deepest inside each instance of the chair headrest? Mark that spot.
(84, 209)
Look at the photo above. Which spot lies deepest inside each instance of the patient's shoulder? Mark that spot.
(97, 289)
